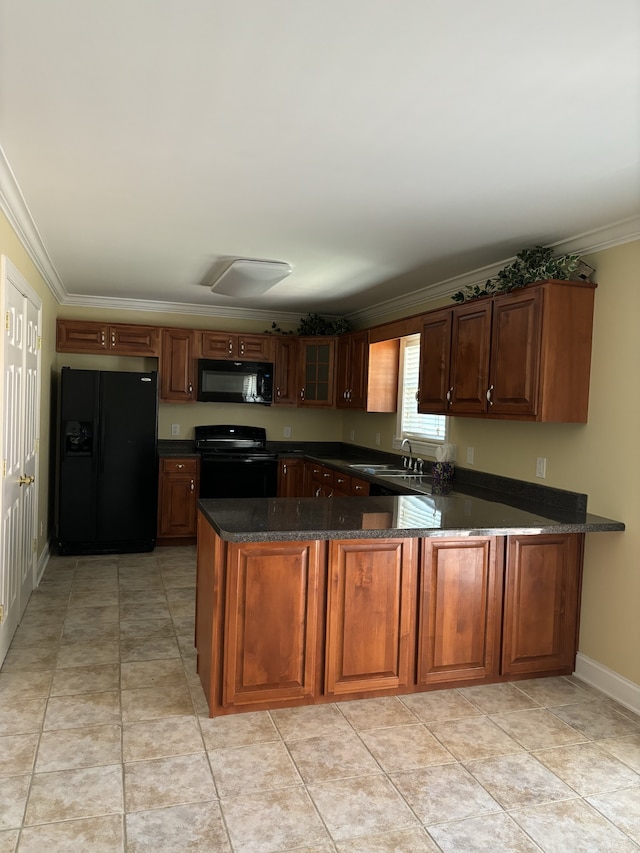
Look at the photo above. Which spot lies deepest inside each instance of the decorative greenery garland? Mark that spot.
(530, 265)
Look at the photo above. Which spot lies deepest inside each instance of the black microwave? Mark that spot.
(221, 381)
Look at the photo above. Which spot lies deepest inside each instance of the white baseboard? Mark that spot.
(609, 682)
(43, 560)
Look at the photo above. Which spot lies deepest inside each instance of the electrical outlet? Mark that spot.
(470, 452)
(541, 467)
(378, 439)
(287, 432)
(175, 429)
(352, 435)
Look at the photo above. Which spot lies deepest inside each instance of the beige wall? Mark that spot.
(601, 458)
(14, 250)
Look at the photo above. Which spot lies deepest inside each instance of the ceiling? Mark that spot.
(380, 148)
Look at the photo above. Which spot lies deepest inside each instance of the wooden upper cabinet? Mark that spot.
(469, 366)
(545, 331)
(454, 360)
(351, 370)
(285, 371)
(371, 593)
(177, 366)
(459, 610)
(435, 356)
(229, 345)
(317, 386)
(523, 355)
(116, 339)
(542, 595)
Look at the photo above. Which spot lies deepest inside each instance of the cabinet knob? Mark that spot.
(193, 486)
(278, 394)
(190, 388)
(489, 390)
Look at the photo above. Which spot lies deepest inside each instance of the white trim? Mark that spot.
(607, 237)
(116, 303)
(15, 208)
(43, 561)
(609, 682)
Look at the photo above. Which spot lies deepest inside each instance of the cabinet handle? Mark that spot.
(193, 486)
(489, 390)
(449, 393)
(278, 394)
(326, 474)
(318, 490)
(284, 469)
(340, 480)
(190, 388)
(241, 347)
(418, 396)
(344, 395)
(180, 465)
(357, 488)
(102, 338)
(113, 339)
(230, 346)
(302, 393)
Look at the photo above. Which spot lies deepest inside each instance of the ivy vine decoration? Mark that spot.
(276, 330)
(529, 266)
(314, 324)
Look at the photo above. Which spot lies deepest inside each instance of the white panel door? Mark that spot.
(20, 422)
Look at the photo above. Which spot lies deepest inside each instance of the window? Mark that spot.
(425, 432)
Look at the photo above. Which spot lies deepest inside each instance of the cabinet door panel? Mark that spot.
(318, 387)
(290, 478)
(459, 610)
(542, 589)
(177, 366)
(515, 353)
(435, 354)
(285, 370)
(470, 347)
(218, 345)
(370, 618)
(273, 599)
(134, 340)
(81, 336)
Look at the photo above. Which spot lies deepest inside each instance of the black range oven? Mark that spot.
(235, 463)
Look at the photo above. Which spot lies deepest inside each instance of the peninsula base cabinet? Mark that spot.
(282, 624)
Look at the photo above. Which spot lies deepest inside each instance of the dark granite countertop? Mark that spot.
(176, 447)
(455, 514)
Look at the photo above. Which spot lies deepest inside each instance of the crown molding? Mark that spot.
(116, 303)
(584, 244)
(15, 208)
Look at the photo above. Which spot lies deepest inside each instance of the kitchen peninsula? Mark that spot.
(310, 600)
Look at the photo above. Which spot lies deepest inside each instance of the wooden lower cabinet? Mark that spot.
(273, 622)
(459, 610)
(280, 624)
(542, 603)
(370, 615)
(178, 487)
(290, 477)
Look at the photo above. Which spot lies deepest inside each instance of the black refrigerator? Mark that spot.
(107, 461)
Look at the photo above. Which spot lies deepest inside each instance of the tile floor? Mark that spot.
(106, 745)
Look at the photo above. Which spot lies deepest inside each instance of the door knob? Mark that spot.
(25, 480)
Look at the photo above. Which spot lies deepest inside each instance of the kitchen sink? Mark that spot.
(379, 469)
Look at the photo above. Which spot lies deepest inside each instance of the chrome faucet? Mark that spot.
(407, 461)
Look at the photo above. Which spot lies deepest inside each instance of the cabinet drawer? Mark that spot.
(182, 465)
